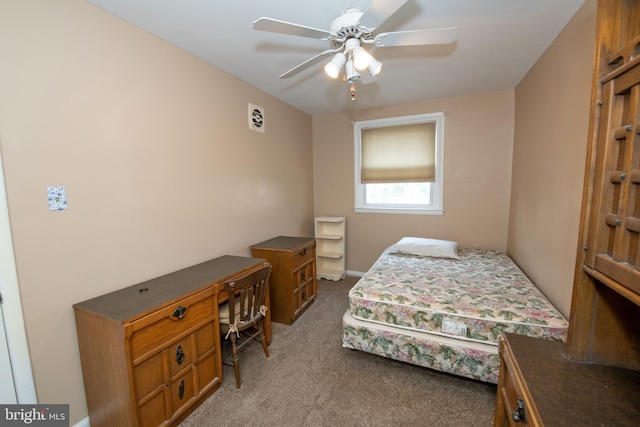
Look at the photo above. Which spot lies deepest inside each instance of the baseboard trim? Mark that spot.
(355, 273)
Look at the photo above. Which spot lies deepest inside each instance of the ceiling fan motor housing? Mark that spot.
(346, 27)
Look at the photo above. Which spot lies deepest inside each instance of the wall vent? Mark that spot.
(256, 118)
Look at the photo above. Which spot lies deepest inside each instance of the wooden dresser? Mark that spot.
(594, 379)
(150, 352)
(292, 286)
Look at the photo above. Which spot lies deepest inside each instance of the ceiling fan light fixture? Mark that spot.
(361, 58)
(334, 66)
(352, 74)
(374, 67)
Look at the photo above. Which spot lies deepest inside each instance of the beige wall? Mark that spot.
(159, 165)
(552, 111)
(161, 171)
(477, 176)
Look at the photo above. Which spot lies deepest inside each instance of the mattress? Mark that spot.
(478, 361)
(472, 299)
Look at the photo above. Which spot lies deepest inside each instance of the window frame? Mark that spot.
(436, 206)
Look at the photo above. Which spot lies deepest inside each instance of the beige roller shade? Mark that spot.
(403, 153)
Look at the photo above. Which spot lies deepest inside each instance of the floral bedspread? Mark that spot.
(475, 298)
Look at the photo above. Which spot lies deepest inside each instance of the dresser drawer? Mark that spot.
(510, 398)
(303, 256)
(152, 411)
(514, 407)
(148, 376)
(179, 372)
(161, 405)
(181, 354)
(182, 390)
(172, 323)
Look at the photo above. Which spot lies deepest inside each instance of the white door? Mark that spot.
(7, 385)
(15, 363)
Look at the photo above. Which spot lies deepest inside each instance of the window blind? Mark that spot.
(404, 153)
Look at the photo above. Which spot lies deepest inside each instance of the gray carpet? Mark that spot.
(311, 380)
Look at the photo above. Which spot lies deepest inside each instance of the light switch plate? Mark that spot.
(57, 198)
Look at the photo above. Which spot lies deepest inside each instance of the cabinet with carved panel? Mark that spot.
(292, 285)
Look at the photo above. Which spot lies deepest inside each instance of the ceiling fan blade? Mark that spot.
(308, 63)
(418, 37)
(378, 12)
(277, 26)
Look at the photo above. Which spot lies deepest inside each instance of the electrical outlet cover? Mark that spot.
(57, 198)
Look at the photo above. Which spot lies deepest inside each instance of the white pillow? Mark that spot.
(426, 247)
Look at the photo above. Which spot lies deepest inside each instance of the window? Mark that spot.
(399, 164)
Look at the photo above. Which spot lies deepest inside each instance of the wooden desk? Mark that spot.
(150, 352)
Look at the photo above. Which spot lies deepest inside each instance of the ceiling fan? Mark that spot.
(347, 35)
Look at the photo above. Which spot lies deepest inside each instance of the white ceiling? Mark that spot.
(500, 40)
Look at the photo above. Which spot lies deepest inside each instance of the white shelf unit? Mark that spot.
(330, 247)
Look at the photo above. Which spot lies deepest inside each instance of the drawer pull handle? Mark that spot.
(519, 415)
(181, 390)
(302, 275)
(304, 251)
(179, 355)
(180, 312)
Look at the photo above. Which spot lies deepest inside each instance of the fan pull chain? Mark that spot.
(352, 89)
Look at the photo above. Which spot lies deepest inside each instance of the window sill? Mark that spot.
(400, 211)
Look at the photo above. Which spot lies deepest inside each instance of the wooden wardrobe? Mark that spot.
(605, 312)
(594, 379)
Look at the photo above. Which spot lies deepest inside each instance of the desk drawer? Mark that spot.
(172, 323)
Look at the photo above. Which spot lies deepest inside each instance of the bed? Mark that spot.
(430, 303)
